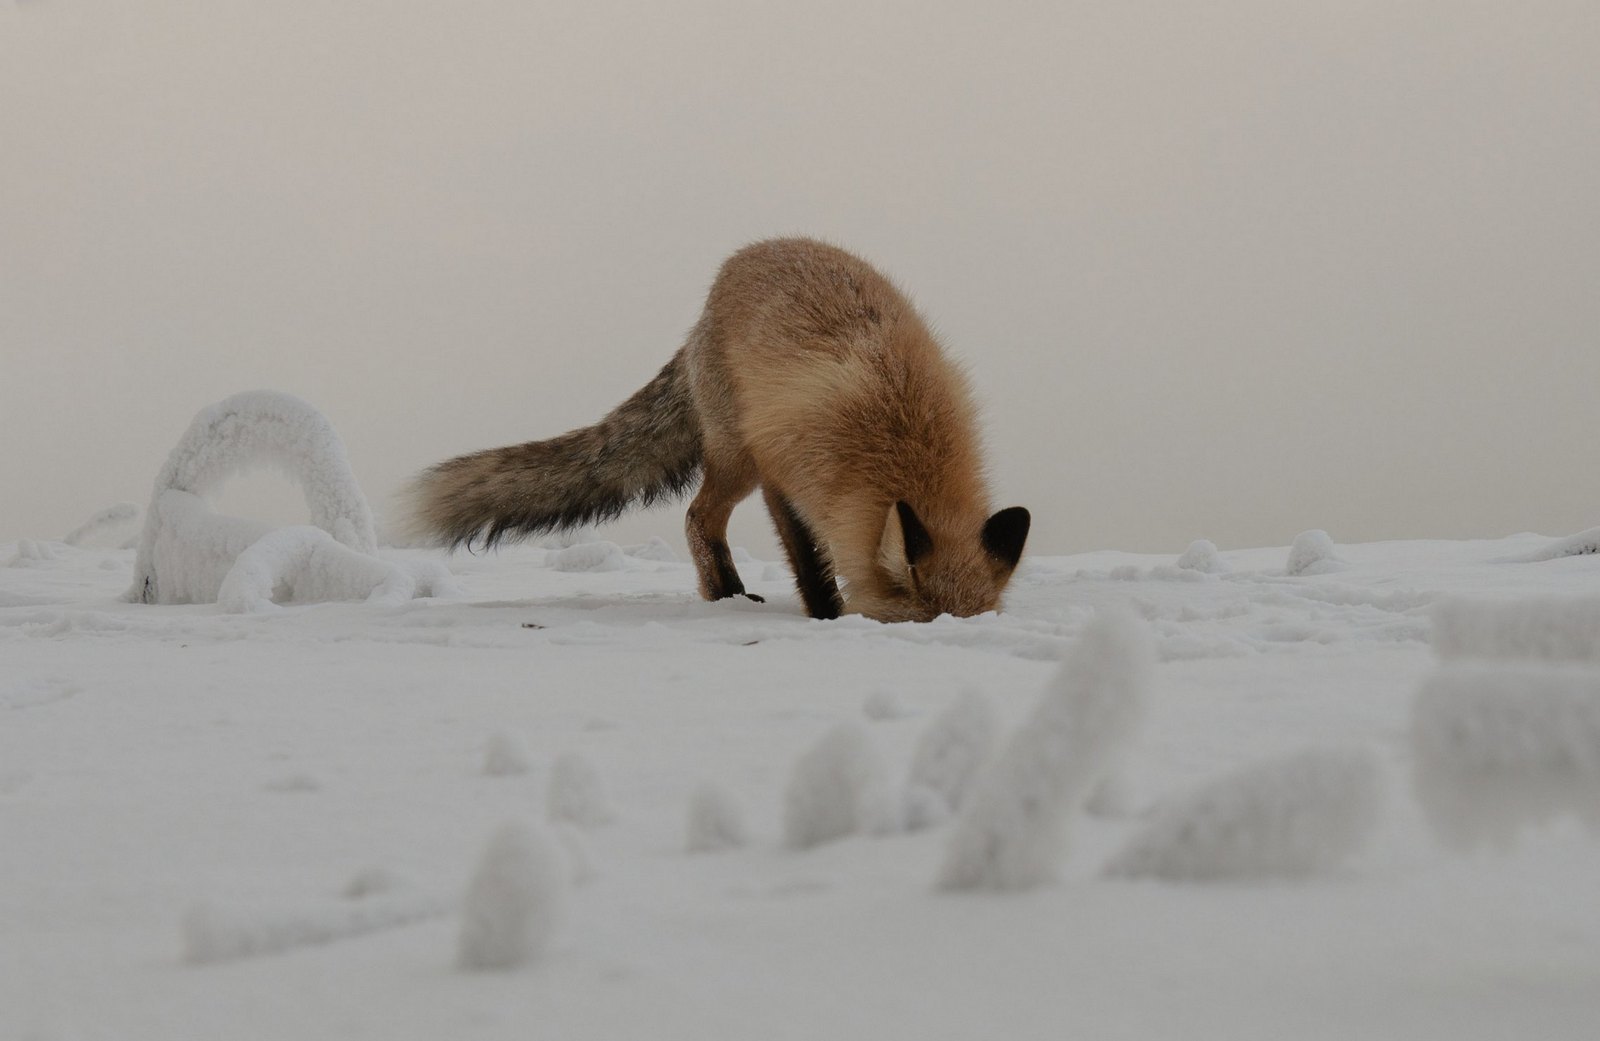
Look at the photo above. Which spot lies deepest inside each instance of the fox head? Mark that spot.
(921, 574)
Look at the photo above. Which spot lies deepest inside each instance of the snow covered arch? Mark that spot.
(257, 428)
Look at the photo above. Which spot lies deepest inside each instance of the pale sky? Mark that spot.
(1228, 270)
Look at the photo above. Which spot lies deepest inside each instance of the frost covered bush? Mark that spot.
(256, 428)
(1312, 553)
(1579, 545)
(575, 794)
(516, 900)
(189, 554)
(948, 756)
(1011, 832)
(838, 787)
(716, 820)
(1201, 556)
(1555, 628)
(1288, 817)
(1498, 747)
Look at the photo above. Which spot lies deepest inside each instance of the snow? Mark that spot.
(516, 901)
(576, 795)
(1581, 544)
(716, 820)
(1012, 832)
(951, 751)
(1551, 628)
(248, 430)
(107, 520)
(1288, 817)
(148, 755)
(1201, 556)
(839, 787)
(1501, 747)
(1312, 553)
(507, 755)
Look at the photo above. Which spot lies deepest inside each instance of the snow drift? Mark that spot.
(838, 787)
(516, 900)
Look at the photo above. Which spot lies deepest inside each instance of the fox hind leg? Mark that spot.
(813, 571)
(723, 487)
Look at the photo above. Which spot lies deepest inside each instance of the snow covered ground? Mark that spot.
(263, 825)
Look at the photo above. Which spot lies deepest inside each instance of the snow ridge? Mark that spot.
(1565, 628)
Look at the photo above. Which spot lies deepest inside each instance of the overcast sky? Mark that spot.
(1232, 269)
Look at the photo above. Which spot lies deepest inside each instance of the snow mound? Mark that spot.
(516, 901)
(506, 755)
(32, 553)
(105, 520)
(1288, 817)
(589, 556)
(839, 787)
(1201, 556)
(655, 549)
(1312, 553)
(213, 933)
(949, 754)
(716, 820)
(256, 428)
(1548, 628)
(1497, 747)
(1579, 545)
(576, 795)
(1012, 829)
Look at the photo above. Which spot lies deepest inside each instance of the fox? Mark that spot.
(810, 376)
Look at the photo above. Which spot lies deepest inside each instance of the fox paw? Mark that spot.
(757, 599)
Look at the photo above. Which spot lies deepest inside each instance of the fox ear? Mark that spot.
(1004, 534)
(905, 541)
(918, 542)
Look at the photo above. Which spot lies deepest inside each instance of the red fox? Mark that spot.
(810, 376)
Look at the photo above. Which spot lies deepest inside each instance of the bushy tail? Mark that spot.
(646, 450)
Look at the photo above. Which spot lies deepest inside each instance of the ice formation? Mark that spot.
(1500, 746)
(506, 755)
(1288, 817)
(838, 787)
(189, 554)
(516, 900)
(716, 820)
(1201, 556)
(575, 794)
(1554, 628)
(1312, 553)
(1012, 830)
(105, 520)
(213, 933)
(949, 754)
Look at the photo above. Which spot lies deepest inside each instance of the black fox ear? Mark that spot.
(917, 540)
(1004, 534)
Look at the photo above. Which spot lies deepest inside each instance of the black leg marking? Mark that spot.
(813, 572)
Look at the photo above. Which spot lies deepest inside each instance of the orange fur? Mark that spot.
(810, 376)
